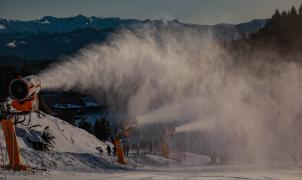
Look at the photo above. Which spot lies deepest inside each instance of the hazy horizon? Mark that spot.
(192, 11)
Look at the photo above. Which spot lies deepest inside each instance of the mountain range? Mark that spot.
(51, 37)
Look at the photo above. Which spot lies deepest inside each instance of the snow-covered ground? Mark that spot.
(74, 150)
(2, 27)
(75, 157)
(12, 44)
(171, 173)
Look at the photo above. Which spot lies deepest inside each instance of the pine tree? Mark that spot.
(83, 124)
(48, 139)
(293, 12)
(284, 14)
(102, 129)
(300, 11)
(277, 14)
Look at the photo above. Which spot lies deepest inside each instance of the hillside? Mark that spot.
(75, 149)
(280, 39)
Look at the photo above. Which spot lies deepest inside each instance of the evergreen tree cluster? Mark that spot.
(101, 128)
(282, 32)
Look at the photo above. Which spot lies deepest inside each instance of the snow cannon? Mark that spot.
(128, 128)
(24, 91)
(169, 132)
(22, 101)
(166, 136)
(22, 88)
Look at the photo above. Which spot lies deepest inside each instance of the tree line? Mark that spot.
(281, 35)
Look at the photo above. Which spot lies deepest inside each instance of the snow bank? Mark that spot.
(75, 149)
(12, 44)
(157, 161)
(2, 27)
(68, 138)
(195, 159)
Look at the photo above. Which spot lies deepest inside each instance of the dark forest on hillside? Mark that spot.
(279, 40)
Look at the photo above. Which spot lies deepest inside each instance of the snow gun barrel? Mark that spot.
(23, 88)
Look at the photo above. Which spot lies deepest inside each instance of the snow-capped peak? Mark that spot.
(12, 44)
(45, 22)
(2, 27)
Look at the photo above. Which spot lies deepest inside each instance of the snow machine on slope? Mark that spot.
(22, 101)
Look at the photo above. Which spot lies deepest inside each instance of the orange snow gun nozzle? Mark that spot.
(24, 91)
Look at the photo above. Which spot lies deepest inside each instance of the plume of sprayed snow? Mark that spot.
(198, 125)
(185, 76)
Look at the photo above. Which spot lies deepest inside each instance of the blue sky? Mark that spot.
(190, 11)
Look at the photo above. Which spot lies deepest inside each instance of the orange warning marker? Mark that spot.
(119, 151)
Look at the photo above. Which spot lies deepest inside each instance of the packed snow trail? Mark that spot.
(187, 173)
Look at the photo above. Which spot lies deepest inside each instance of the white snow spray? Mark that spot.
(186, 77)
(198, 125)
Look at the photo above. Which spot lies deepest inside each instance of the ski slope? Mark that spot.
(75, 149)
(176, 173)
(75, 157)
